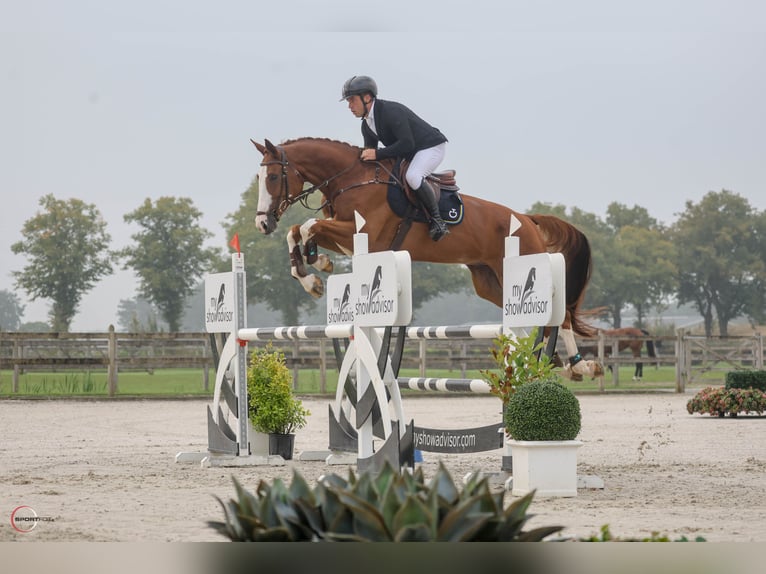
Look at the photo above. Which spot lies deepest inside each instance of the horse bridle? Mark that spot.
(302, 197)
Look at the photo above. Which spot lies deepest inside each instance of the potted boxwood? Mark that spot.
(519, 361)
(272, 407)
(543, 419)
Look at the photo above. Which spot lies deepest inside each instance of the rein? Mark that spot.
(302, 197)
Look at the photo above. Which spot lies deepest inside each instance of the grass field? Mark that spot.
(189, 382)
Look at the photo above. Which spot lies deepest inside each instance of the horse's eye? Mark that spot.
(273, 177)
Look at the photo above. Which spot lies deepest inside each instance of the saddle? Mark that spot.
(402, 202)
(437, 181)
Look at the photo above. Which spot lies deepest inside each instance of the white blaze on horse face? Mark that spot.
(264, 201)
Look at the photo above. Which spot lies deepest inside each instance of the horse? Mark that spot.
(290, 172)
(631, 338)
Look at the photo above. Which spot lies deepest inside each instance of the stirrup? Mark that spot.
(437, 231)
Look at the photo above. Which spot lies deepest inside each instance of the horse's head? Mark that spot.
(278, 185)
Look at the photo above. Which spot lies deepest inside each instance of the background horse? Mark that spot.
(629, 338)
(349, 185)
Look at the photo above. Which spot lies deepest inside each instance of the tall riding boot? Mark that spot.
(438, 228)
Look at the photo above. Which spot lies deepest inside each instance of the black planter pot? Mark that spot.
(282, 444)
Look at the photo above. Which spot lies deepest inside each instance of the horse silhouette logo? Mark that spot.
(221, 295)
(529, 286)
(344, 300)
(375, 287)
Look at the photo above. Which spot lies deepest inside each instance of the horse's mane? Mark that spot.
(327, 140)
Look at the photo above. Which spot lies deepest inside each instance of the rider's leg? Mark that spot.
(423, 163)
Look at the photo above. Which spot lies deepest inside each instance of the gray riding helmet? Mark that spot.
(358, 85)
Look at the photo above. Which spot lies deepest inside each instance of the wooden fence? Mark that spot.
(693, 356)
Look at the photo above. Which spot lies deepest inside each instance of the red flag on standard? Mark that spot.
(235, 242)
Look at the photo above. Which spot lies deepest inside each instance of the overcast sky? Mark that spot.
(650, 103)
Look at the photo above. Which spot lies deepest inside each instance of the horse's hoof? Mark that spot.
(324, 263)
(318, 288)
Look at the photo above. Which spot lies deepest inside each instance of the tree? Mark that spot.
(168, 256)
(720, 259)
(11, 311)
(137, 316)
(649, 267)
(66, 248)
(632, 258)
(643, 269)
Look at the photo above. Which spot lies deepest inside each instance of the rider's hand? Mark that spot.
(368, 154)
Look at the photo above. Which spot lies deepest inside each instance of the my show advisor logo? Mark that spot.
(373, 301)
(217, 311)
(341, 311)
(24, 519)
(523, 300)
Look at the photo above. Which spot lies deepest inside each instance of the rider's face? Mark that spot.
(356, 105)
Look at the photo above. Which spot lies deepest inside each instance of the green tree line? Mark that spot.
(713, 256)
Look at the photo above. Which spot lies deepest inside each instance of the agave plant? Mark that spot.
(387, 506)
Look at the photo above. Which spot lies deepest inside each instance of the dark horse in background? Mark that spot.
(295, 169)
(631, 338)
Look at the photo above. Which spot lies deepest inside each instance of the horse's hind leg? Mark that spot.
(577, 366)
(311, 283)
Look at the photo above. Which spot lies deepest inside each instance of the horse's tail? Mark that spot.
(565, 238)
(649, 344)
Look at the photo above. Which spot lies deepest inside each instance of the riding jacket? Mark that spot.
(400, 130)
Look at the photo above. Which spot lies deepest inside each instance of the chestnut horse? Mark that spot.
(290, 172)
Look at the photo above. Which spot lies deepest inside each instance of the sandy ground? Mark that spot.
(106, 470)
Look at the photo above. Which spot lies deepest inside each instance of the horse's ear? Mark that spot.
(271, 147)
(259, 146)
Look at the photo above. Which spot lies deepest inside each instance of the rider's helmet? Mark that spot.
(358, 85)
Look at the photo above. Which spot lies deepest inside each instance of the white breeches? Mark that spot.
(424, 163)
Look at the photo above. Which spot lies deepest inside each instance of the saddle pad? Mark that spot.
(450, 205)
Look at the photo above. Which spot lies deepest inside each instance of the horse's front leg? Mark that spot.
(310, 282)
(319, 261)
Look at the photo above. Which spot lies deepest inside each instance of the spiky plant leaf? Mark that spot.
(310, 518)
(389, 503)
(383, 479)
(538, 534)
(412, 513)
(368, 522)
(462, 521)
(443, 484)
(338, 518)
(247, 502)
(300, 489)
(364, 487)
(472, 484)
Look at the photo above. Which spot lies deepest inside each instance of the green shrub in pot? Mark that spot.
(272, 408)
(543, 410)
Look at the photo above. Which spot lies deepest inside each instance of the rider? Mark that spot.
(405, 135)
